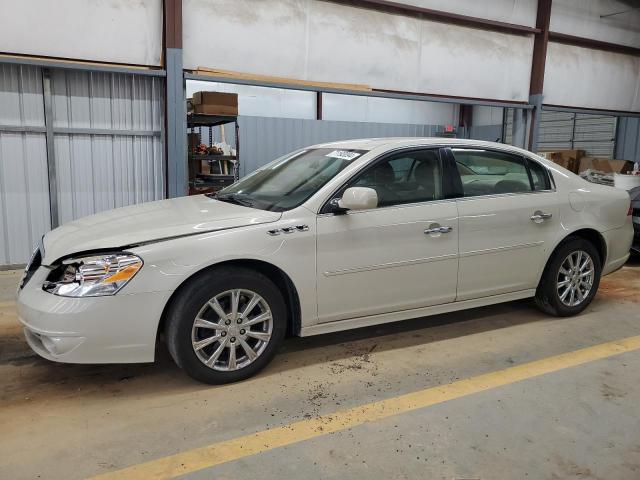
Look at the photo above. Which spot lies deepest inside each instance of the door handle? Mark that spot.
(539, 216)
(438, 229)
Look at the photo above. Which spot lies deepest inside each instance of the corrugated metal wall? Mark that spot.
(628, 139)
(107, 145)
(119, 160)
(263, 139)
(24, 189)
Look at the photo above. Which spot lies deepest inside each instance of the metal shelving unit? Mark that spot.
(223, 168)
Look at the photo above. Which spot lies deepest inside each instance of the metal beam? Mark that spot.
(84, 66)
(538, 63)
(363, 93)
(22, 129)
(81, 131)
(106, 131)
(590, 111)
(51, 152)
(593, 44)
(440, 16)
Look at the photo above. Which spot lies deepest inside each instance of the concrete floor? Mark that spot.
(70, 421)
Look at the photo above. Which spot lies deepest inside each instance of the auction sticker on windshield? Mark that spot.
(343, 155)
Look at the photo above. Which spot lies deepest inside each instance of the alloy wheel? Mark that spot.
(575, 278)
(232, 329)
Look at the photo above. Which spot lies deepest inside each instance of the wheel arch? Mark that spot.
(589, 234)
(592, 236)
(272, 272)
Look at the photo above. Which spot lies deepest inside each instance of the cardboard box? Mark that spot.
(569, 159)
(605, 165)
(215, 103)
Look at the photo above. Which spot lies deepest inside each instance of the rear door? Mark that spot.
(508, 218)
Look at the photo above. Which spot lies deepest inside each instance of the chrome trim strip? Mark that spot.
(381, 266)
(502, 195)
(501, 249)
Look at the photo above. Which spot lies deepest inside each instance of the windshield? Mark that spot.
(290, 180)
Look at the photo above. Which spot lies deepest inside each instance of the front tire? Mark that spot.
(571, 278)
(225, 324)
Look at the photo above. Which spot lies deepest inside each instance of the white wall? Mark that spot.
(283, 103)
(119, 31)
(324, 41)
(263, 101)
(519, 12)
(386, 110)
(582, 18)
(483, 116)
(582, 77)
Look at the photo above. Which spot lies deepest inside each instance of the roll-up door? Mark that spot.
(559, 130)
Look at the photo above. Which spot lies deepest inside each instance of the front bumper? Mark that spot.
(112, 329)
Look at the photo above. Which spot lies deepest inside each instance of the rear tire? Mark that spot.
(225, 324)
(571, 278)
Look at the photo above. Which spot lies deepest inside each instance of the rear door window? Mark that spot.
(539, 176)
(487, 172)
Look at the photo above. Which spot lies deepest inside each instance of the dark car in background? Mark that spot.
(635, 205)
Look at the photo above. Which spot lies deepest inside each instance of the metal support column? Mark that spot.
(51, 151)
(175, 98)
(538, 63)
(519, 127)
(534, 115)
(319, 106)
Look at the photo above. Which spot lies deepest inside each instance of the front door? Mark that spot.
(508, 220)
(398, 256)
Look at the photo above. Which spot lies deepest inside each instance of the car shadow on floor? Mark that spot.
(27, 373)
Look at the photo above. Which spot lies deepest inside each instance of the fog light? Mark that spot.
(60, 345)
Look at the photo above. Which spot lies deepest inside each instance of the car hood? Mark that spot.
(147, 222)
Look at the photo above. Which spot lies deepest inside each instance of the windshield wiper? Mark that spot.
(231, 198)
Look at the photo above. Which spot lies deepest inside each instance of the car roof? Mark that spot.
(395, 142)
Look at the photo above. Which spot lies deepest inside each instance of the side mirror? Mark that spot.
(358, 198)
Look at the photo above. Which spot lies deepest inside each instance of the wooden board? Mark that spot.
(292, 81)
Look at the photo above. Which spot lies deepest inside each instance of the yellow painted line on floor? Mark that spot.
(237, 448)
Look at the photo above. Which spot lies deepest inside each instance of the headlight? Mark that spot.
(93, 276)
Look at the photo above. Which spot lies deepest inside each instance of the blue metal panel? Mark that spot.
(628, 139)
(265, 138)
(176, 133)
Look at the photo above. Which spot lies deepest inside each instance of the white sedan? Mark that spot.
(331, 237)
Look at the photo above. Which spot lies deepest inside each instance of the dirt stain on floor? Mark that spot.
(623, 285)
